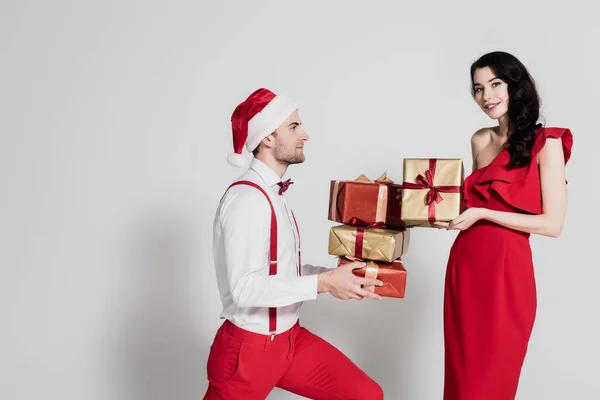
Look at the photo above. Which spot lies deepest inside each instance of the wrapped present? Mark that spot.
(366, 200)
(431, 191)
(369, 243)
(393, 276)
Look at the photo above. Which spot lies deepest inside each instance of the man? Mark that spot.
(261, 280)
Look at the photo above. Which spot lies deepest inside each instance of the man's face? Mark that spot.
(289, 141)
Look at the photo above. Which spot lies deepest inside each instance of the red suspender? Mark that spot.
(299, 257)
(272, 252)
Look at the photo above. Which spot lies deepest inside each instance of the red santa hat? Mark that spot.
(256, 118)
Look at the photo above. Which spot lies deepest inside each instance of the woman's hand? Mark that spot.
(464, 220)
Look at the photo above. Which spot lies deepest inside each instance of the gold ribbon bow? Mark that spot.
(383, 179)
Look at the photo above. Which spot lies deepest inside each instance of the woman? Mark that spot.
(517, 188)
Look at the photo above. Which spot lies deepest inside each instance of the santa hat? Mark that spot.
(255, 119)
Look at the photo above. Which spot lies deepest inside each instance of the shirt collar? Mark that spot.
(265, 172)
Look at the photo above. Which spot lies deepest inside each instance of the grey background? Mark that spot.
(115, 132)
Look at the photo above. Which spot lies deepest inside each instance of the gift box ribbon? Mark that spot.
(433, 194)
(371, 272)
(360, 233)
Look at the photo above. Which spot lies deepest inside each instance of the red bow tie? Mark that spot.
(283, 186)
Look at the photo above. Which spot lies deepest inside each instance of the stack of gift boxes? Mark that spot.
(377, 217)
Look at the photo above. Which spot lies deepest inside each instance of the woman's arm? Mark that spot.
(554, 200)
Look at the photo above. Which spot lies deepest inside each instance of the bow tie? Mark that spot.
(283, 186)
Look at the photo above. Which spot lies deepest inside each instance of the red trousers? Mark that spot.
(247, 365)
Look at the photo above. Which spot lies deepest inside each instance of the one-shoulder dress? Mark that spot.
(490, 293)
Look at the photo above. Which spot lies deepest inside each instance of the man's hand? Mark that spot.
(343, 284)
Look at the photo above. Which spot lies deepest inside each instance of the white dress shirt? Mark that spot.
(241, 242)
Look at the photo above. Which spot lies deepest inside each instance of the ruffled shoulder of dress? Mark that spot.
(558, 133)
(520, 187)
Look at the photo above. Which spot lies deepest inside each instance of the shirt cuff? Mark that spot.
(308, 285)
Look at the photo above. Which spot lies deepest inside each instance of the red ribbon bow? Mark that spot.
(283, 186)
(426, 182)
(363, 224)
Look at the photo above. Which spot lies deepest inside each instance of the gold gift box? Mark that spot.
(432, 190)
(372, 244)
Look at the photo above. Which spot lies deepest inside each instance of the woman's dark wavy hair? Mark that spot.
(523, 104)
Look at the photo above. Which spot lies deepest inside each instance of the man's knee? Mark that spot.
(369, 390)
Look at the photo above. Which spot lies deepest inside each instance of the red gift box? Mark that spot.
(393, 276)
(367, 201)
